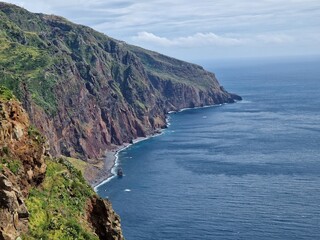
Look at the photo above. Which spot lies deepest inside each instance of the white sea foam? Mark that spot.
(206, 106)
(113, 169)
(127, 190)
(116, 161)
(244, 101)
(105, 181)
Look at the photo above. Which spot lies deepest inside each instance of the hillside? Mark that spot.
(86, 91)
(43, 197)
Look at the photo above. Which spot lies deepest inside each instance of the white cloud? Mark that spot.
(210, 39)
(286, 25)
(198, 39)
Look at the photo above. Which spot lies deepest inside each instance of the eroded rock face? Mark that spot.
(13, 211)
(22, 165)
(105, 222)
(20, 141)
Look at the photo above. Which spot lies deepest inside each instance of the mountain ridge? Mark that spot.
(86, 91)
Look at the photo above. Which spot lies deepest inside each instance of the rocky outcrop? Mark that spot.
(20, 141)
(22, 166)
(105, 222)
(86, 91)
(13, 211)
(24, 160)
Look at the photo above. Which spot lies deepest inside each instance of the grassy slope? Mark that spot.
(168, 68)
(23, 59)
(58, 206)
(57, 209)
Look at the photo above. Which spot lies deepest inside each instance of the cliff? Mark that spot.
(42, 197)
(86, 91)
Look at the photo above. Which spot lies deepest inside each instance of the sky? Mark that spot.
(199, 30)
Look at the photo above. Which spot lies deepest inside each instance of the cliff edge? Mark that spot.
(43, 197)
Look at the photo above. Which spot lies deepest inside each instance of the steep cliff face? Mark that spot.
(22, 165)
(42, 197)
(13, 211)
(86, 91)
(104, 220)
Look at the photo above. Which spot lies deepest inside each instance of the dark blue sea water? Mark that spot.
(249, 170)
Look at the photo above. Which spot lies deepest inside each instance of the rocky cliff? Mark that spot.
(86, 91)
(42, 197)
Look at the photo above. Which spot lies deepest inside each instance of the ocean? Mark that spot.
(249, 170)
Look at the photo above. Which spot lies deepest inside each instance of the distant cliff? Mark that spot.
(86, 91)
(43, 197)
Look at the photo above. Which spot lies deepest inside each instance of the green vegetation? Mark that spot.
(6, 94)
(22, 69)
(24, 65)
(39, 53)
(177, 71)
(13, 165)
(78, 164)
(57, 209)
(57, 65)
(34, 134)
(58, 205)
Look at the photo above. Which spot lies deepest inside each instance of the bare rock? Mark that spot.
(13, 211)
(105, 222)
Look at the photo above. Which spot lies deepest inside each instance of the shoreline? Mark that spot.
(113, 156)
(109, 172)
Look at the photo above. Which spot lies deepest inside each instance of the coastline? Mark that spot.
(110, 164)
(112, 157)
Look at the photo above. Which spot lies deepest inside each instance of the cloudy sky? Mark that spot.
(195, 30)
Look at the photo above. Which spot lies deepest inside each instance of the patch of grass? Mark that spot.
(6, 94)
(140, 105)
(13, 165)
(57, 210)
(78, 164)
